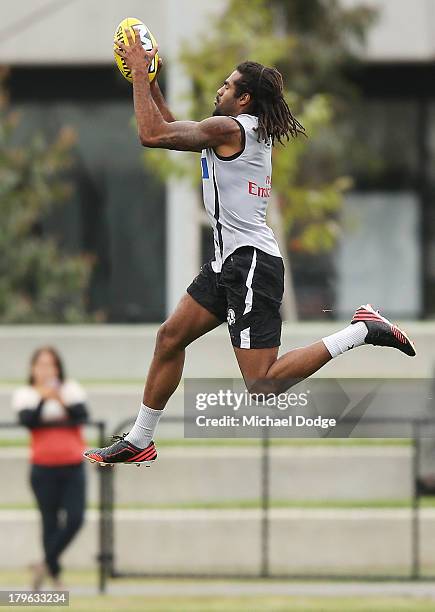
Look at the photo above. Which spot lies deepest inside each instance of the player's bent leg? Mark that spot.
(263, 373)
(189, 321)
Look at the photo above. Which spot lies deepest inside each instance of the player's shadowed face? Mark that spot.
(226, 103)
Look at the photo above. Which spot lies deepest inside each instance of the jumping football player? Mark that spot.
(244, 283)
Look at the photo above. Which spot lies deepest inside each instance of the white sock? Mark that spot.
(145, 425)
(346, 339)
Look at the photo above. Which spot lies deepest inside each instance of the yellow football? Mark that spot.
(148, 42)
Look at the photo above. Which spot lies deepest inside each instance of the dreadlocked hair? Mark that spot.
(265, 85)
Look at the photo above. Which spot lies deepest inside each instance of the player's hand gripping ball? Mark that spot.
(148, 42)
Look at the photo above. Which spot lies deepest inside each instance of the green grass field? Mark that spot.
(252, 504)
(224, 603)
(23, 442)
(244, 604)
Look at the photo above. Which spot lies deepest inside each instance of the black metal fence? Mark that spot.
(107, 557)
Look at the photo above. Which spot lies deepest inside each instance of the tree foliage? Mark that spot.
(38, 283)
(310, 43)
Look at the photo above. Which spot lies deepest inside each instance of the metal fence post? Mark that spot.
(265, 503)
(105, 557)
(415, 563)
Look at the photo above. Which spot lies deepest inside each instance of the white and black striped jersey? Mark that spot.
(236, 192)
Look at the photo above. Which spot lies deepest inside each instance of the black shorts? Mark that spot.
(247, 293)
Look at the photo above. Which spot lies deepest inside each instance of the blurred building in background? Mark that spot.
(392, 247)
(148, 240)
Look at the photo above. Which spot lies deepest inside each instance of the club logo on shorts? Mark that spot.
(231, 316)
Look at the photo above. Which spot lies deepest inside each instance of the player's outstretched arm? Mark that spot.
(191, 135)
(159, 98)
(153, 130)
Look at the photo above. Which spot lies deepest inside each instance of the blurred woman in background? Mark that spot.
(54, 409)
